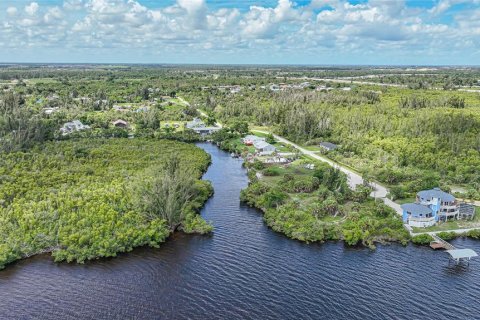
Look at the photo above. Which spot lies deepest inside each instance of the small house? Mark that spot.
(120, 124)
(73, 126)
(196, 123)
(264, 148)
(328, 146)
(49, 111)
(249, 140)
(199, 127)
(143, 109)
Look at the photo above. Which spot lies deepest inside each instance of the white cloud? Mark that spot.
(32, 8)
(73, 4)
(196, 10)
(11, 11)
(188, 26)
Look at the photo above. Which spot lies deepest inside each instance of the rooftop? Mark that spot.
(416, 208)
(261, 144)
(462, 253)
(329, 145)
(436, 193)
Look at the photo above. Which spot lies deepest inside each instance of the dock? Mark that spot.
(439, 243)
(456, 255)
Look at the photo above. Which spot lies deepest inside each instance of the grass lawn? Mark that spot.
(282, 147)
(261, 128)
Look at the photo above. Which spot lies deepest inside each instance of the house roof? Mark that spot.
(436, 193)
(253, 138)
(415, 208)
(261, 144)
(196, 123)
(328, 145)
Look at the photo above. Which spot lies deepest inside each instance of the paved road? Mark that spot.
(347, 81)
(354, 179)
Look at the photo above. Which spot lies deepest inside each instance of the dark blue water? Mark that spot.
(245, 271)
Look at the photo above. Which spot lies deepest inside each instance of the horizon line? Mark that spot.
(3, 63)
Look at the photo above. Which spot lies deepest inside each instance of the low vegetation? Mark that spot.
(317, 205)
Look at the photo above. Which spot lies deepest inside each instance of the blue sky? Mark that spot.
(391, 32)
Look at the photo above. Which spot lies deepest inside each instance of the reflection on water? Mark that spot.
(244, 271)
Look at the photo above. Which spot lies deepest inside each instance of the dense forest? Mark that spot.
(84, 199)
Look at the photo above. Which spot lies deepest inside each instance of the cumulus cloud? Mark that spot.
(32, 8)
(73, 4)
(11, 11)
(186, 26)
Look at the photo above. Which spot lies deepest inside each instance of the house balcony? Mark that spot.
(421, 222)
(448, 207)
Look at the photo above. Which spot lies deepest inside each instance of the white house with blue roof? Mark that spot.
(430, 207)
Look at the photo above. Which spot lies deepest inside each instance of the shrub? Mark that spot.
(422, 239)
(473, 234)
(447, 235)
(271, 171)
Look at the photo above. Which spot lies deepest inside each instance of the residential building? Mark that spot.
(73, 126)
(199, 127)
(328, 146)
(120, 124)
(249, 140)
(51, 110)
(264, 148)
(430, 207)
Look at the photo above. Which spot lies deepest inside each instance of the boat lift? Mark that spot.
(461, 255)
(456, 255)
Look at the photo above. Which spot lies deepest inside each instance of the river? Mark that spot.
(245, 271)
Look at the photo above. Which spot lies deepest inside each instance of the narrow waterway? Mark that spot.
(245, 271)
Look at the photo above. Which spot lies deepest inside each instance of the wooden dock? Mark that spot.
(439, 243)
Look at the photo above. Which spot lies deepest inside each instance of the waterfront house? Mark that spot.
(249, 140)
(328, 146)
(431, 206)
(73, 126)
(196, 123)
(199, 127)
(264, 148)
